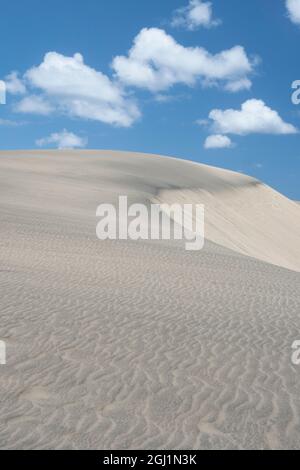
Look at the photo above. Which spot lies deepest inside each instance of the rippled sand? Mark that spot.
(140, 345)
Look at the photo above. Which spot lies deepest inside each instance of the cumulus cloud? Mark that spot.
(293, 7)
(10, 123)
(14, 84)
(238, 85)
(196, 14)
(217, 141)
(156, 62)
(253, 117)
(68, 86)
(34, 104)
(63, 140)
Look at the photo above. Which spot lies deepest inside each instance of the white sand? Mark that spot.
(142, 344)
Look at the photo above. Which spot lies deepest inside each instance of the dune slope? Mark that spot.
(242, 213)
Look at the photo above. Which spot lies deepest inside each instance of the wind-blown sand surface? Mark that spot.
(123, 344)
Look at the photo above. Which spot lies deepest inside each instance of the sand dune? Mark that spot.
(242, 213)
(123, 344)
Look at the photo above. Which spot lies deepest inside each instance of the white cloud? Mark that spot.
(253, 117)
(63, 140)
(217, 141)
(198, 13)
(238, 85)
(14, 84)
(156, 62)
(9, 123)
(160, 98)
(168, 98)
(69, 86)
(34, 104)
(293, 7)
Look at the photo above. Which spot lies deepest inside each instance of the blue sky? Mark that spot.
(185, 66)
